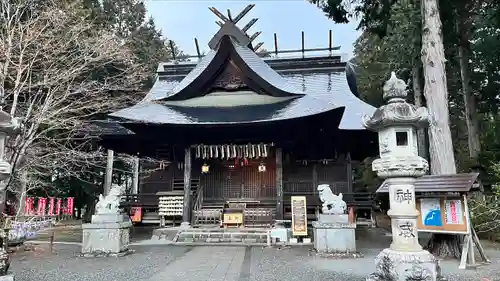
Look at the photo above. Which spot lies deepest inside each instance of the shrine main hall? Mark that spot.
(246, 130)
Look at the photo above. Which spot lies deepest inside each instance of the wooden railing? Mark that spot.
(197, 204)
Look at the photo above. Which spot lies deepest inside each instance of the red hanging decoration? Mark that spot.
(51, 206)
(28, 206)
(58, 206)
(42, 203)
(69, 206)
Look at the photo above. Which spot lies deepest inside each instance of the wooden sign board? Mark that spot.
(136, 214)
(443, 215)
(299, 216)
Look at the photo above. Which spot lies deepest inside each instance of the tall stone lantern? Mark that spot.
(396, 124)
(8, 126)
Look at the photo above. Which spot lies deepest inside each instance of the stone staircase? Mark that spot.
(210, 236)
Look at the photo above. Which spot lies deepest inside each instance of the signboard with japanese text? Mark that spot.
(443, 215)
(299, 216)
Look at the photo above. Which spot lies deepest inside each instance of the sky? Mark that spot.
(182, 21)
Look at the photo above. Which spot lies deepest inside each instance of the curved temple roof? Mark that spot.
(291, 94)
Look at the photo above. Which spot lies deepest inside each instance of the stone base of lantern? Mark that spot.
(402, 266)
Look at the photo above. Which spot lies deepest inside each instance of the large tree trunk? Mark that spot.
(442, 159)
(436, 91)
(470, 102)
(419, 101)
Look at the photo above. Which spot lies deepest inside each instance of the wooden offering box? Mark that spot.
(233, 216)
(233, 219)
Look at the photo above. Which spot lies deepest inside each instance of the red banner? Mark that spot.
(58, 206)
(28, 206)
(51, 206)
(41, 206)
(69, 206)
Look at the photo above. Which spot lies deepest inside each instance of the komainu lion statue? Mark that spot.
(332, 204)
(110, 204)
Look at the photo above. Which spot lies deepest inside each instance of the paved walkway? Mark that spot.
(166, 262)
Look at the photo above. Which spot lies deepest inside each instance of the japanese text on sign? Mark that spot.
(453, 212)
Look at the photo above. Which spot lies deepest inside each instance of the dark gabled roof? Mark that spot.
(321, 87)
(257, 74)
(440, 183)
(99, 128)
(160, 114)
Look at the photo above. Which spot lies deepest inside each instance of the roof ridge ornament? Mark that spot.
(228, 27)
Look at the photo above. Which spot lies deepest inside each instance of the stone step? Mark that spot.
(222, 236)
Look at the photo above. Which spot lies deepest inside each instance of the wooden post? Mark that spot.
(186, 220)
(135, 177)
(109, 172)
(51, 241)
(349, 172)
(279, 183)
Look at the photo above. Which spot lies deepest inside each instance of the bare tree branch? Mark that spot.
(57, 72)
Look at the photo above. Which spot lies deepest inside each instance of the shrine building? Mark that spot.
(239, 128)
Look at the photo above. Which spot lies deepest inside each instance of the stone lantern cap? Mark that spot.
(397, 112)
(9, 125)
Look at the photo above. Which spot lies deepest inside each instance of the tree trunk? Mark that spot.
(470, 101)
(442, 159)
(436, 91)
(417, 93)
(23, 191)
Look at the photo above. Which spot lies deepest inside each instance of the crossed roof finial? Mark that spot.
(228, 27)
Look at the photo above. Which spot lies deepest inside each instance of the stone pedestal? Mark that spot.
(403, 266)
(107, 234)
(8, 277)
(334, 234)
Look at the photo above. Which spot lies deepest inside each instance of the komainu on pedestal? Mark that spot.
(333, 233)
(108, 234)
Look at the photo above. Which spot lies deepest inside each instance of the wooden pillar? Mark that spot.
(135, 176)
(279, 183)
(186, 211)
(349, 172)
(109, 172)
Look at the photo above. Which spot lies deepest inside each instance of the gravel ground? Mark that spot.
(231, 263)
(165, 263)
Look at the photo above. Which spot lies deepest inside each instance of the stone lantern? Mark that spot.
(8, 126)
(396, 124)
